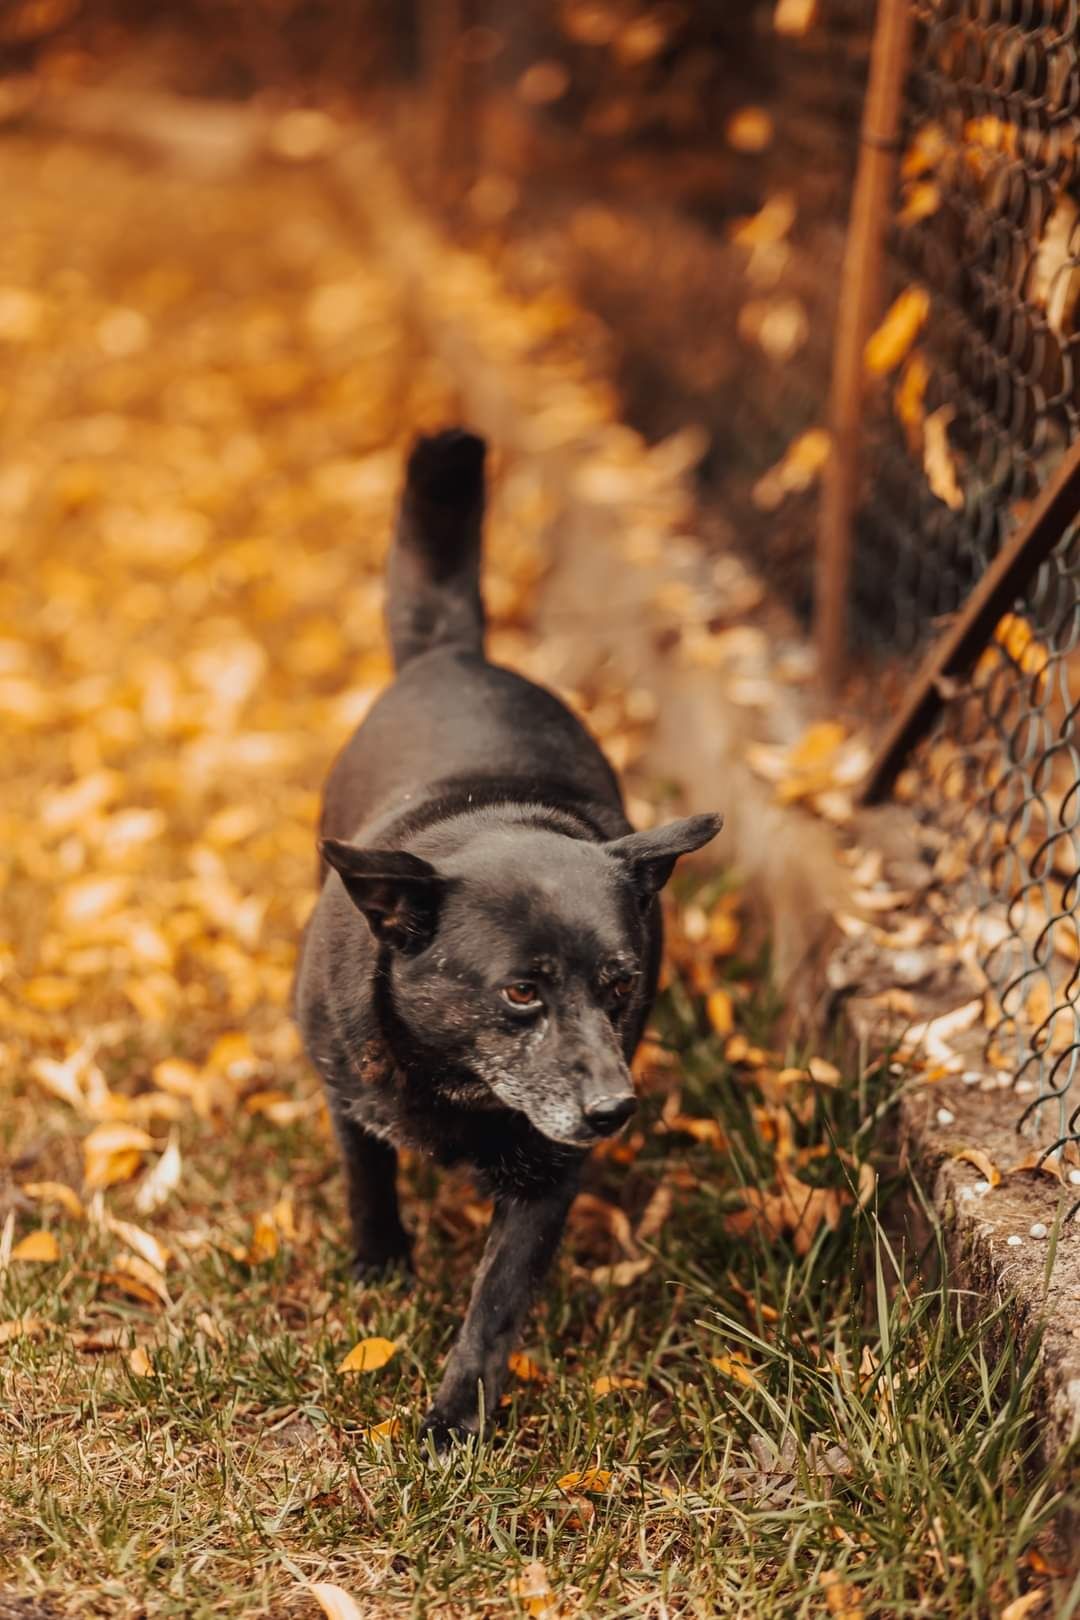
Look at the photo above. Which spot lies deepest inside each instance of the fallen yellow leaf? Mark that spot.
(823, 1073)
(1015, 634)
(178, 1077)
(233, 824)
(938, 461)
(206, 1324)
(55, 1192)
(721, 1012)
(1045, 1165)
(369, 1355)
(982, 1162)
(140, 1362)
(41, 1246)
(279, 1107)
(655, 1214)
(1042, 1566)
(23, 1327)
(265, 1242)
(749, 130)
(768, 1313)
(151, 1105)
(283, 1216)
(142, 1243)
(793, 17)
(589, 1212)
(928, 146)
(163, 1179)
(334, 1601)
(867, 1184)
(1054, 281)
(723, 932)
(67, 806)
(839, 1597)
(735, 1368)
(137, 1277)
(988, 135)
(533, 1589)
(902, 324)
(770, 225)
(50, 994)
(90, 898)
(921, 200)
(130, 1286)
(796, 471)
(621, 1274)
(232, 1055)
(709, 1131)
(596, 1480)
(910, 399)
(1030, 1603)
(817, 745)
(63, 1080)
(607, 1382)
(385, 1430)
(261, 1102)
(523, 1367)
(112, 1153)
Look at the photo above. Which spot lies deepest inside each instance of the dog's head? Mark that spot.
(522, 957)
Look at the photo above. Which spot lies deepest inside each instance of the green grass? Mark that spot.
(879, 1429)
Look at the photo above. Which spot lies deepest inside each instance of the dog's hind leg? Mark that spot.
(380, 1241)
(521, 1244)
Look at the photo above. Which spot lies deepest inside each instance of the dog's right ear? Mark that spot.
(650, 856)
(399, 894)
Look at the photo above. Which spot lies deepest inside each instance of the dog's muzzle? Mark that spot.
(606, 1114)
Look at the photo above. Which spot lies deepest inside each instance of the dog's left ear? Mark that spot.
(650, 856)
(398, 893)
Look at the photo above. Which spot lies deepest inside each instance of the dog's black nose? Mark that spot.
(606, 1114)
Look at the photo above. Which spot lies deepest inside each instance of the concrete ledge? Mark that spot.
(1010, 1241)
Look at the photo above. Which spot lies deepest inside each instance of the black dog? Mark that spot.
(483, 955)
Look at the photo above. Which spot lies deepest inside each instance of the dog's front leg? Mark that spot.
(380, 1241)
(521, 1244)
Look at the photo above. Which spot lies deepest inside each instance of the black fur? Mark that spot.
(474, 839)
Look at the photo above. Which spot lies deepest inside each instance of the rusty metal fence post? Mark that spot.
(858, 308)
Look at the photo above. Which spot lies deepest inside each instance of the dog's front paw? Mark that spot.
(445, 1432)
(369, 1269)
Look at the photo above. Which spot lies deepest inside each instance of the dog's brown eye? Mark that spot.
(622, 986)
(521, 994)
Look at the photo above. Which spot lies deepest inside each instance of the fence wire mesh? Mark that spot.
(980, 398)
(985, 249)
(997, 788)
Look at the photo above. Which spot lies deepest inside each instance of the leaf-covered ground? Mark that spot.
(725, 1402)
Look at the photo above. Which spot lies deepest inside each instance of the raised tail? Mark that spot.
(433, 577)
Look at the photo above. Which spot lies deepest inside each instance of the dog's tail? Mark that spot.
(433, 578)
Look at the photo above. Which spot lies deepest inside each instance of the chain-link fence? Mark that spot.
(978, 401)
(985, 230)
(997, 789)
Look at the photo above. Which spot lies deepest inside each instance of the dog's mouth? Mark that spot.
(591, 1132)
(560, 1121)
